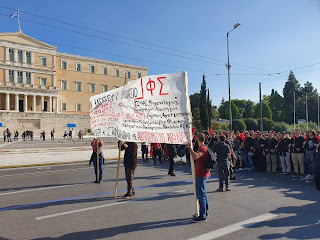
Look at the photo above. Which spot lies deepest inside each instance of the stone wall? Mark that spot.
(37, 122)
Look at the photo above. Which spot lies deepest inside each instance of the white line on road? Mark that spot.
(39, 189)
(35, 173)
(105, 205)
(234, 227)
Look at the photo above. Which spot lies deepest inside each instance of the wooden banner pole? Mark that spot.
(98, 162)
(191, 158)
(118, 168)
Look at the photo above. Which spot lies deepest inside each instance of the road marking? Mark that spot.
(39, 189)
(36, 173)
(105, 205)
(235, 227)
(47, 174)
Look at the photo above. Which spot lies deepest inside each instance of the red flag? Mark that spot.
(193, 130)
(210, 131)
(242, 135)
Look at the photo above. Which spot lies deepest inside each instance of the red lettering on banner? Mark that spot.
(141, 90)
(160, 93)
(151, 85)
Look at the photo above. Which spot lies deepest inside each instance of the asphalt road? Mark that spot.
(61, 202)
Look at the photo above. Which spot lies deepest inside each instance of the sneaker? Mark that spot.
(172, 174)
(199, 219)
(133, 192)
(233, 178)
(228, 189)
(127, 196)
(96, 181)
(195, 215)
(220, 190)
(308, 177)
(301, 176)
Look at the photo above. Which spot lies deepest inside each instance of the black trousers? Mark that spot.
(157, 152)
(223, 173)
(129, 178)
(171, 162)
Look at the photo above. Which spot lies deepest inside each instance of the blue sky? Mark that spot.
(274, 36)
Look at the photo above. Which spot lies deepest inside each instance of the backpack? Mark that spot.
(210, 162)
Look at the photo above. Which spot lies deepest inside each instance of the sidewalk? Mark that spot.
(38, 157)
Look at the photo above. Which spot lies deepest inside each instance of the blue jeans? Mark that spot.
(202, 195)
(100, 167)
(247, 160)
(310, 162)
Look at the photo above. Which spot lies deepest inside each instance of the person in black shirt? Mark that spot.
(283, 148)
(248, 150)
(223, 155)
(270, 149)
(259, 158)
(297, 153)
(172, 152)
(310, 145)
(238, 150)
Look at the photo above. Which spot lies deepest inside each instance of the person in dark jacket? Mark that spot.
(248, 150)
(283, 148)
(172, 152)
(130, 164)
(270, 150)
(259, 158)
(297, 153)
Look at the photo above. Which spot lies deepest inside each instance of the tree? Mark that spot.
(204, 117)
(195, 100)
(291, 86)
(281, 127)
(249, 109)
(251, 124)
(267, 124)
(209, 107)
(266, 111)
(238, 125)
(275, 102)
(234, 110)
(222, 109)
(196, 118)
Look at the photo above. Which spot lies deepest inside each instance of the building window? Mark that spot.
(63, 106)
(105, 71)
(64, 85)
(139, 75)
(78, 67)
(20, 79)
(128, 74)
(20, 56)
(78, 107)
(44, 61)
(11, 54)
(92, 88)
(117, 72)
(78, 86)
(105, 88)
(28, 78)
(11, 76)
(115, 87)
(91, 68)
(64, 65)
(28, 55)
(43, 81)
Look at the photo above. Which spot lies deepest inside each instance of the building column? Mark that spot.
(31, 56)
(54, 80)
(34, 103)
(24, 77)
(17, 103)
(15, 76)
(7, 75)
(42, 103)
(15, 53)
(56, 104)
(32, 78)
(7, 55)
(24, 58)
(50, 104)
(25, 103)
(7, 102)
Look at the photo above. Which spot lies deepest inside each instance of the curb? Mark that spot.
(47, 164)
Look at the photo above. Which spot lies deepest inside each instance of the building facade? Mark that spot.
(38, 84)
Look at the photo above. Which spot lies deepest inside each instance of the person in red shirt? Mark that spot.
(156, 151)
(202, 175)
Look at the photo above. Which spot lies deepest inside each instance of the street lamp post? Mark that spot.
(228, 67)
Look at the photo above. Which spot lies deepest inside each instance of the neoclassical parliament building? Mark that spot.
(42, 89)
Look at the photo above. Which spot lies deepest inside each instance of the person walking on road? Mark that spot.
(156, 151)
(223, 155)
(172, 152)
(130, 164)
(93, 159)
(52, 136)
(144, 150)
(202, 175)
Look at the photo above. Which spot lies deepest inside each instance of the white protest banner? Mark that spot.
(154, 109)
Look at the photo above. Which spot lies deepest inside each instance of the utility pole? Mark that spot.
(318, 114)
(307, 118)
(294, 110)
(261, 123)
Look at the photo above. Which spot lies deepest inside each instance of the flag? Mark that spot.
(193, 130)
(16, 14)
(210, 131)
